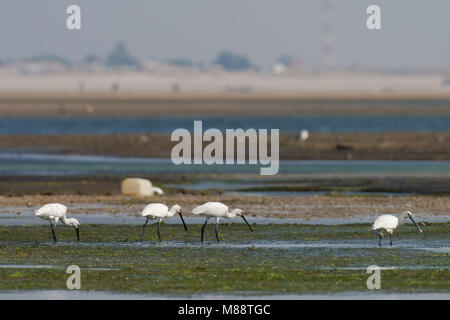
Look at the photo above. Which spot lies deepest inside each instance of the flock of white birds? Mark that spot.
(54, 212)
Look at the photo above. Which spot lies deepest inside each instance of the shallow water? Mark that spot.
(239, 188)
(37, 266)
(316, 193)
(437, 246)
(161, 124)
(42, 266)
(308, 247)
(67, 165)
(102, 295)
(16, 216)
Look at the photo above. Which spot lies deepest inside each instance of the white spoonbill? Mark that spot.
(54, 212)
(390, 223)
(217, 210)
(160, 211)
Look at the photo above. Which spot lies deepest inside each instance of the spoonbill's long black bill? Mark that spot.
(418, 228)
(184, 224)
(243, 217)
(78, 234)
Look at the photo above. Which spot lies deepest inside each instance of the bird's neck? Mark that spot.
(64, 220)
(402, 220)
(171, 212)
(230, 215)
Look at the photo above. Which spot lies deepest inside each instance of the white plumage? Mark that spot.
(160, 211)
(217, 210)
(214, 209)
(304, 135)
(389, 223)
(51, 211)
(386, 221)
(155, 210)
(54, 212)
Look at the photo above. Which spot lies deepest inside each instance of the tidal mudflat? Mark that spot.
(275, 259)
(364, 157)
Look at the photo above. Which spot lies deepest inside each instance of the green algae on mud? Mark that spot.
(274, 259)
(236, 232)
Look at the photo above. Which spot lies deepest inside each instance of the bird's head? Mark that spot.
(176, 209)
(406, 215)
(240, 213)
(237, 212)
(73, 223)
(38, 212)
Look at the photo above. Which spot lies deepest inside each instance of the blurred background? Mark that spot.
(364, 120)
(349, 102)
(216, 46)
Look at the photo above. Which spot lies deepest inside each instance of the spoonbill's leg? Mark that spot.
(390, 231)
(203, 229)
(53, 231)
(159, 224)
(380, 236)
(217, 229)
(143, 229)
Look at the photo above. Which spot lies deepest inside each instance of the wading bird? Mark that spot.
(54, 212)
(390, 223)
(160, 211)
(217, 210)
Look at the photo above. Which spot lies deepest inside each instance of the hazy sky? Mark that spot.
(414, 34)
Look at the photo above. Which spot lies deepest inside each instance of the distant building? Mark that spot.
(279, 68)
(41, 67)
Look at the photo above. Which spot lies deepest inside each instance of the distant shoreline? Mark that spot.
(320, 146)
(59, 104)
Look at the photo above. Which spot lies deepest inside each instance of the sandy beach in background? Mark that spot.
(72, 104)
(309, 82)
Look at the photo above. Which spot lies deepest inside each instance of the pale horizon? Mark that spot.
(414, 35)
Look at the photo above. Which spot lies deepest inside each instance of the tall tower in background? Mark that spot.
(328, 34)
